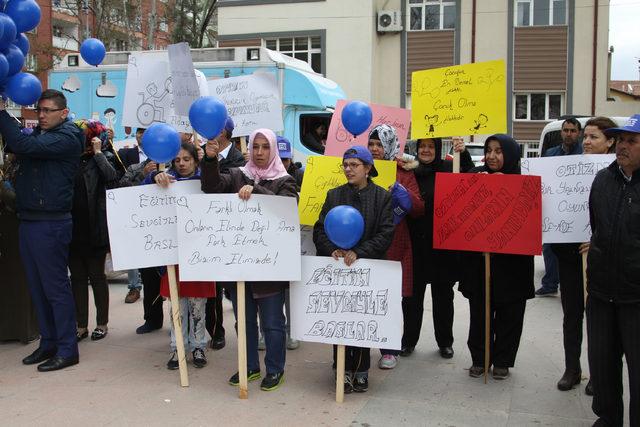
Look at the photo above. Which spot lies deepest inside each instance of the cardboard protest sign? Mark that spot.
(488, 213)
(253, 101)
(339, 138)
(142, 224)
(323, 173)
(459, 100)
(183, 77)
(148, 94)
(566, 184)
(360, 305)
(224, 238)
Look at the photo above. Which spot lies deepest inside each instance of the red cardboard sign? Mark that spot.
(488, 213)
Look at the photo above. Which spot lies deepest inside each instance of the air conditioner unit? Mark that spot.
(389, 21)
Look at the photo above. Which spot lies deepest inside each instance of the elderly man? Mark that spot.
(48, 160)
(613, 272)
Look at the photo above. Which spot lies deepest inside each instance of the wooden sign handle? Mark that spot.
(584, 276)
(456, 162)
(177, 325)
(243, 144)
(340, 374)
(243, 392)
(487, 310)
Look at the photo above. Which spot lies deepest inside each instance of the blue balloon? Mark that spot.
(15, 57)
(161, 142)
(92, 51)
(24, 89)
(25, 14)
(208, 116)
(23, 43)
(344, 226)
(356, 117)
(4, 67)
(9, 33)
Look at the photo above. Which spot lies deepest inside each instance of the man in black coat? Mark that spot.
(48, 160)
(133, 155)
(613, 280)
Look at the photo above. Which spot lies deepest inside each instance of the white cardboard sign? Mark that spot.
(224, 238)
(566, 184)
(183, 77)
(142, 223)
(252, 101)
(360, 305)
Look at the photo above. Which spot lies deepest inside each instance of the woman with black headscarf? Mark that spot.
(437, 267)
(511, 280)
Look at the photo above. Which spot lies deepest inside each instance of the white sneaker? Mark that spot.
(387, 361)
(292, 344)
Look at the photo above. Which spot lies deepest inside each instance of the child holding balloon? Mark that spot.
(374, 204)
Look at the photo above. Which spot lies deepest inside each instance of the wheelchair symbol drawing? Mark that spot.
(151, 109)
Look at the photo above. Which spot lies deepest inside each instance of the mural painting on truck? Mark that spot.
(308, 98)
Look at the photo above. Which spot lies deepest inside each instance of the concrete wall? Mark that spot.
(351, 46)
(386, 59)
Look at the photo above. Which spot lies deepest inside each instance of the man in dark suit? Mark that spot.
(133, 155)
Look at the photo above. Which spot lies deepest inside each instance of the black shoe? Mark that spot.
(199, 358)
(406, 351)
(546, 292)
(173, 364)
(476, 371)
(272, 381)
(360, 383)
(98, 334)
(446, 352)
(348, 382)
(251, 376)
(500, 373)
(588, 390)
(38, 356)
(218, 343)
(81, 335)
(569, 379)
(146, 328)
(57, 362)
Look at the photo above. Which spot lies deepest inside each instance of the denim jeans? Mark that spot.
(272, 324)
(551, 276)
(134, 279)
(194, 333)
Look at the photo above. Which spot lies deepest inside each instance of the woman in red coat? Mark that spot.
(384, 145)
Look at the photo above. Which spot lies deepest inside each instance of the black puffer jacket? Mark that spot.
(374, 203)
(613, 267)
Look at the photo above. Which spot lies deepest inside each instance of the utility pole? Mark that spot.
(152, 26)
(85, 8)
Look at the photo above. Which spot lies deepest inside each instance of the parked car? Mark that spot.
(476, 151)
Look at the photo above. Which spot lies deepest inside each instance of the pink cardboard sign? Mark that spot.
(339, 138)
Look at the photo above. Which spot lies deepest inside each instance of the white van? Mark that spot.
(550, 136)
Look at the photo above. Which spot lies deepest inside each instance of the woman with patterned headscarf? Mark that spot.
(99, 170)
(405, 194)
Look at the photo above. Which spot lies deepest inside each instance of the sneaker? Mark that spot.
(348, 382)
(476, 371)
(546, 292)
(172, 364)
(146, 328)
(261, 345)
(361, 382)
(387, 361)
(199, 358)
(292, 344)
(132, 296)
(218, 343)
(251, 376)
(500, 373)
(272, 381)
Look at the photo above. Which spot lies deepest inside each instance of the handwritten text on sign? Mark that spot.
(339, 139)
(323, 173)
(359, 305)
(566, 184)
(143, 222)
(460, 100)
(252, 101)
(487, 213)
(183, 77)
(224, 238)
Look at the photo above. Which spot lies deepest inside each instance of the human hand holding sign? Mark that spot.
(163, 179)
(458, 144)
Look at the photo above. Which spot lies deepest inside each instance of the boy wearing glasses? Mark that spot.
(48, 160)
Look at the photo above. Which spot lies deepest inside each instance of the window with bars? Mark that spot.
(431, 15)
(538, 106)
(540, 12)
(307, 49)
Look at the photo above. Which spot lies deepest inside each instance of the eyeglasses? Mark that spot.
(46, 110)
(351, 165)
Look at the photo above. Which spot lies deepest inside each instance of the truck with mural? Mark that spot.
(308, 99)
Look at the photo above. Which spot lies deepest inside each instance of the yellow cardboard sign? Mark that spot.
(323, 173)
(459, 100)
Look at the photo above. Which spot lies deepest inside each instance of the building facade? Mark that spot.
(556, 51)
